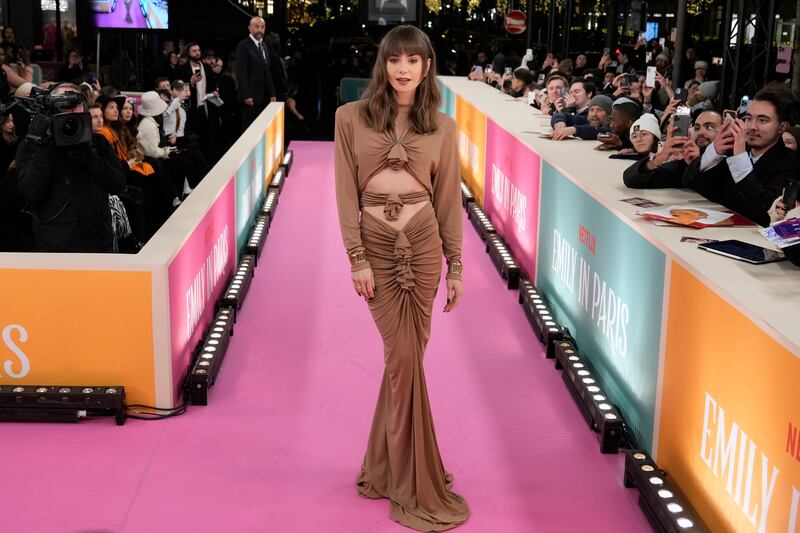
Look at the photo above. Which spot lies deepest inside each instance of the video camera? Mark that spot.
(63, 129)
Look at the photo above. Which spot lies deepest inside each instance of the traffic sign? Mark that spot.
(515, 21)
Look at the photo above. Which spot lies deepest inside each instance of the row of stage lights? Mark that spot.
(208, 359)
(580, 378)
(663, 510)
(662, 504)
(47, 403)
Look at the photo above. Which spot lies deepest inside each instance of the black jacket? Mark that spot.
(254, 72)
(67, 191)
(666, 176)
(752, 196)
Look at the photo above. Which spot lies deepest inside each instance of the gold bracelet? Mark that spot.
(455, 267)
(357, 257)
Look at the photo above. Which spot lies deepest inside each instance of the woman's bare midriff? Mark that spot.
(400, 182)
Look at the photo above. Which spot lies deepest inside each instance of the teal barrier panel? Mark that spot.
(448, 105)
(351, 89)
(250, 192)
(606, 283)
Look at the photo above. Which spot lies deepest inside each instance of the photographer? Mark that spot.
(67, 178)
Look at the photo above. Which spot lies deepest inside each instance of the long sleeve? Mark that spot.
(760, 187)
(148, 138)
(668, 175)
(35, 172)
(107, 168)
(346, 171)
(447, 197)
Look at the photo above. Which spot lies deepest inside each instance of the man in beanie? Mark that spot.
(586, 127)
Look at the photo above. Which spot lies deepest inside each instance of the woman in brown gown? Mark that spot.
(398, 196)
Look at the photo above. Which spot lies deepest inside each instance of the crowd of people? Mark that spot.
(677, 135)
(111, 191)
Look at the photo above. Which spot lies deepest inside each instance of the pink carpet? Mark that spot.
(280, 443)
(117, 18)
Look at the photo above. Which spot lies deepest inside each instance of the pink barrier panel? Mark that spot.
(511, 198)
(197, 277)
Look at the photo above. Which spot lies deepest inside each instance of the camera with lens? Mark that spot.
(62, 128)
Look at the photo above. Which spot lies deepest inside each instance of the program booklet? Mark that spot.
(684, 215)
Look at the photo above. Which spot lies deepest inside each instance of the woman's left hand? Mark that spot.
(455, 290)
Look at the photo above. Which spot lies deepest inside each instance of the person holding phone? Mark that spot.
(202, 119)
(72, 69)
(588, 127)
(678, 155)
(747, 165)
(552, 93)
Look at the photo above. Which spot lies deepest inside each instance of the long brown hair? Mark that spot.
(379, 109)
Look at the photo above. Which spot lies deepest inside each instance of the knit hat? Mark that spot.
(152, 104)
(647, 122)
(602, 101)
(701, 64)
(625, 100)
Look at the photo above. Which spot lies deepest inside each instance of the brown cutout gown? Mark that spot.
(402, 461)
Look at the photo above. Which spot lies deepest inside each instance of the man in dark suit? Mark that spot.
(747, 165)
(253, 72)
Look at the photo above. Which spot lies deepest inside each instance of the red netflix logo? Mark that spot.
(587, 239)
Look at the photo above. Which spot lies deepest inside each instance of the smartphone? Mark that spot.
(682, 122)
(680, 94)
(564, 92)
(730, 113)
(606, 50)
(625, 82)
(662, 42)
(650, 80)
(716, 61)
(791, 193)
(743, 251)
(532, 99)
(541, 79)
(648, 57)
(744, 105)
(549, 56)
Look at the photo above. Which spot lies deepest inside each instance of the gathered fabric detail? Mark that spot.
(403, 254)
(402, 461)
(398, 157)
(392, 207)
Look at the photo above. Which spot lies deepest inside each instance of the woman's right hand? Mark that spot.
(364, 283)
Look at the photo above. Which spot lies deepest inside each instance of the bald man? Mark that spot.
(256, 88)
